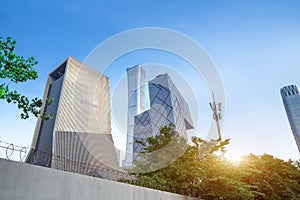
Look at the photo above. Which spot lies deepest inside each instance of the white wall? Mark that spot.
(30, 182)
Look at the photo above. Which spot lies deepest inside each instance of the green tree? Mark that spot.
(16, 69)
(200, 172)
(270, 177)
(192, 174)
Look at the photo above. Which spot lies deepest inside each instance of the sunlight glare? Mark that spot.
(234, 157)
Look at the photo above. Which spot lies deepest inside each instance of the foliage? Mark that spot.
(160, 150)
(201, 172)
(270, 177)
(16, 69)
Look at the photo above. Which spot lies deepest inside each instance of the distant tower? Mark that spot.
(136, 77)
(291, 100)
(80, 131)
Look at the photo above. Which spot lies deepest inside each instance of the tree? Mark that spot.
(16, 69)
(200, 172)
(192, 174)
(270, 177)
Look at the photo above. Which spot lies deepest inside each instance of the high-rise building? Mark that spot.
(136, 104)
(167, 106)
(78, 138)
(291, 100)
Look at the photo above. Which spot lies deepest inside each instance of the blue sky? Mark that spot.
(254, 44)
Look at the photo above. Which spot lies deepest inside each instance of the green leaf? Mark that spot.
(2, 92)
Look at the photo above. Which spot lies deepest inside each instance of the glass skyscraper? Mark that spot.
(167, 106)
(291, 100)
(136, 79)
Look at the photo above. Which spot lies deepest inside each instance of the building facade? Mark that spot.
(167, 106)
(136, 79)
(78, 138)
(291, 101)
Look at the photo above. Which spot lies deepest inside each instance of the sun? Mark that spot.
(232, 156)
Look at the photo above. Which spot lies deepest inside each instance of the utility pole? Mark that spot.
(216, 107)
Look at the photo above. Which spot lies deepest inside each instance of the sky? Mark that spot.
(254, 44)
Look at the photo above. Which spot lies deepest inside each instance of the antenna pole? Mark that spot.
(216, 108)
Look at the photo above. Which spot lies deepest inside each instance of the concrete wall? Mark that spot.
(30, 182)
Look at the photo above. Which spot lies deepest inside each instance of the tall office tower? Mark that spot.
(136, 104)
(78, 138)
(167, 106)
(291, 101)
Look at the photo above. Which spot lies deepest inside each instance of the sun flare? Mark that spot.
(233, 157)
